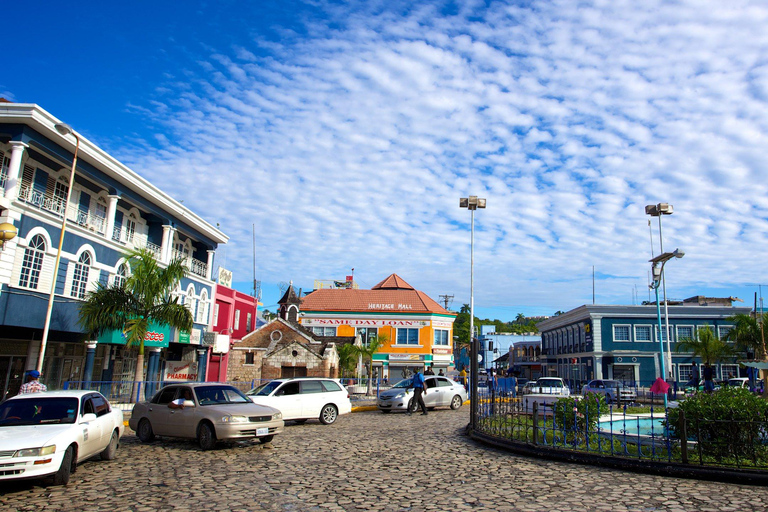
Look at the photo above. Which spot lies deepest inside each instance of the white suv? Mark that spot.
(304, 398)
(549, 386)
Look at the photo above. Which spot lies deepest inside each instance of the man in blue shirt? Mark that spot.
(417, 382)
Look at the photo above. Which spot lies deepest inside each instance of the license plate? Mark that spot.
(262, 431)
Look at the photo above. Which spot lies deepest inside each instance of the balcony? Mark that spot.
(55, 205)
(197, 267)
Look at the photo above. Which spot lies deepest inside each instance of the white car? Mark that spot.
(549, 386)
(612, 390)
(49, 433)
(304, 398)
(440, 392)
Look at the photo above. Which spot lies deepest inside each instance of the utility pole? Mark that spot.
(447, 300)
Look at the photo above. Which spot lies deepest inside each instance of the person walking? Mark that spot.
(33, 384)
(417, 383)
(694, 380)
(709, 383)
(429, 371)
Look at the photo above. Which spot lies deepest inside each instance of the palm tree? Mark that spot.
(347, 356)
(706, 345)
(366, 352)
(130, 306)
(747, 335)
(520, 318)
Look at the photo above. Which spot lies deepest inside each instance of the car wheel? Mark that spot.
(206, 437)
(411, 406)
(456, 402)
(385, 411)
(145, 433)
(110, 452)
(61, 477)
(329, 414)
(266, 439)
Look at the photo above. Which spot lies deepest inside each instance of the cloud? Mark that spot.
(349, 141)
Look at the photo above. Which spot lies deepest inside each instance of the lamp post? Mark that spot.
(657, 271)
(63, 129)
(472, 203)
(659, 210)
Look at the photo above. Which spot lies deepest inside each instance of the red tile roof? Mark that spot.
(392, 295)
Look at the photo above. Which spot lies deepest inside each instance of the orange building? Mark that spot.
(416, 330)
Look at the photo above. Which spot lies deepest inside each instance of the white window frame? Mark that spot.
(82, 268)
(406, 344)
(629, 333)
(215, 315)
(720, 334)
(438, 342)
(681, 337)
(190, 301)
(324, 331)
(725, 368)
(663, 330)
(650, 333)
(237, 320)
(36, 261)
(202, 308)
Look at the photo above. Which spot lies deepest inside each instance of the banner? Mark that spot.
(225, 277)
(180, 371)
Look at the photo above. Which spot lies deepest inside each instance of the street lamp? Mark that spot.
(64, 130)
(659, 210)
(472, 203)
(657, 272)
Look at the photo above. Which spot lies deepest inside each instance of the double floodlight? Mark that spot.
(472, 202)
(656, 210)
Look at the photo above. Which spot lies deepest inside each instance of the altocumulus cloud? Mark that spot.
(348, 143)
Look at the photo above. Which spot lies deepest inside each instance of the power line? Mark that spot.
(447, 300)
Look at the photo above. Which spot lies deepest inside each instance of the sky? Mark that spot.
(344, 134)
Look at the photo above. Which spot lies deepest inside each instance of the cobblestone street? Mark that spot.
(366, 461)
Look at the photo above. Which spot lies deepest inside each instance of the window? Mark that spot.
(311, 386)
(249, 358)
(291, 388)
(190, 302)
(642, 333)
(80, 276)
(216, 314)
(60, 196)
(684, 332)
(324, 331)
(248, 322)
(407, 336)
(663, 332)
(729, 371)
(620, 333)
(330, 385)
(685, 372)
(202, 308)
(130, 229)
(366, 334)
(441, 337)
(122, 274)
(165, 395)
(723, 331)
(101, 405)
(237, 319)
(100, 210)
(32, 263)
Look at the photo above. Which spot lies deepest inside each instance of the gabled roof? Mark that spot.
(391, 295)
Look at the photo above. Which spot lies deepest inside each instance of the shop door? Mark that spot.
(287, 372)
(624, 373)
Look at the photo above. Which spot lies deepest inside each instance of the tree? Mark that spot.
(130, 306)
(367, 352)
(747, 335)
(706, 345)
(520, 318)
(347, 357)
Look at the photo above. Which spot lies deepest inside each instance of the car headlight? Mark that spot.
(234, 419)
(36, 452)
(400, 395)
(277, 416)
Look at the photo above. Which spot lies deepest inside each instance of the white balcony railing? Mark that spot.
(42, 201)
(198, 267)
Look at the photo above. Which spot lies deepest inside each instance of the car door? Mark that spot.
(181, 422)
(287, 400)
(158, 412)
(312, 398)
(432, 393)
(446, 390)
(91, 429)
(103, 418)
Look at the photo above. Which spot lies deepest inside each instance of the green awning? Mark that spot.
(157, 336)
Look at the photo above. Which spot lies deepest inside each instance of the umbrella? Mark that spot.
(659, 387)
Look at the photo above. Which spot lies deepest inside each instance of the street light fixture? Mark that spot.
(472, 203)
(657, 271)
(659, 210)
(64, 130)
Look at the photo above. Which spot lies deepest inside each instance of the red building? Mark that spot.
(234, 316)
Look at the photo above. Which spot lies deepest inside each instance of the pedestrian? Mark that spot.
(429, 371)
(513, 385)
(463, 376)
(694, 380)
(417, 383)
(709, 383)
(33, 384)
(440, 372)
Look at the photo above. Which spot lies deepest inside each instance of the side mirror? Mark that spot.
(189, 403)
(88, 417)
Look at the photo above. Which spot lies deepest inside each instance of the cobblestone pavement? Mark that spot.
(366, 461)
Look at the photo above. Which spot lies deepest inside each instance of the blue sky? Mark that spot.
(348, 131)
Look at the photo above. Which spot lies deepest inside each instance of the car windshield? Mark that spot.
(549, 383)
(403, 384)
(265, 389)
(38, 411)
(214, 395)
(612, 383)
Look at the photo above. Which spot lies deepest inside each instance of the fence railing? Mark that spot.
(643, 436)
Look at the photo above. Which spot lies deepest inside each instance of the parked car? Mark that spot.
(440, 391)
(48, 434)
(302, 399)
(521, 383)
(549, 386)
(612, 390)
(215, 412)
(743, 382)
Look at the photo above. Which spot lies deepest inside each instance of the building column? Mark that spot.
(111, 211)
(209, 268)
(153, 365)
(90, 355)
(12, 181)
(167, 243)
(201, 363)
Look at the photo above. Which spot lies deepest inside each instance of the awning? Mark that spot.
(759, 366)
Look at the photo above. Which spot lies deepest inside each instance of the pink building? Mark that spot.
(234, 315)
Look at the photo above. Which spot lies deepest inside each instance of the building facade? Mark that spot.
(416, 331)
(623, 342)
(234, 316)
(111, 211)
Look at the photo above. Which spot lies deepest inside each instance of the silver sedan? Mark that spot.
(440, 392)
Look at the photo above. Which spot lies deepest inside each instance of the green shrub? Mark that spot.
(575, 412)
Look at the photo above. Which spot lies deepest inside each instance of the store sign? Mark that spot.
(390, 307)
(157, 336)
(441, 351)
(180, 371)
(190, 338)
(406, 357)
(438, 323)
(225, 277)
(364, 323)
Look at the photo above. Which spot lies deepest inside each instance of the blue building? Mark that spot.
(622, 342)
(111, 210)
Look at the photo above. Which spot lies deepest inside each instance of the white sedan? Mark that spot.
(49, 433)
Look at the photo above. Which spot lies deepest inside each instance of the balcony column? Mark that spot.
(14, 169)
(111, 212)
(202, 359)
(209, 268)
(90, 356)
(167, 244)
